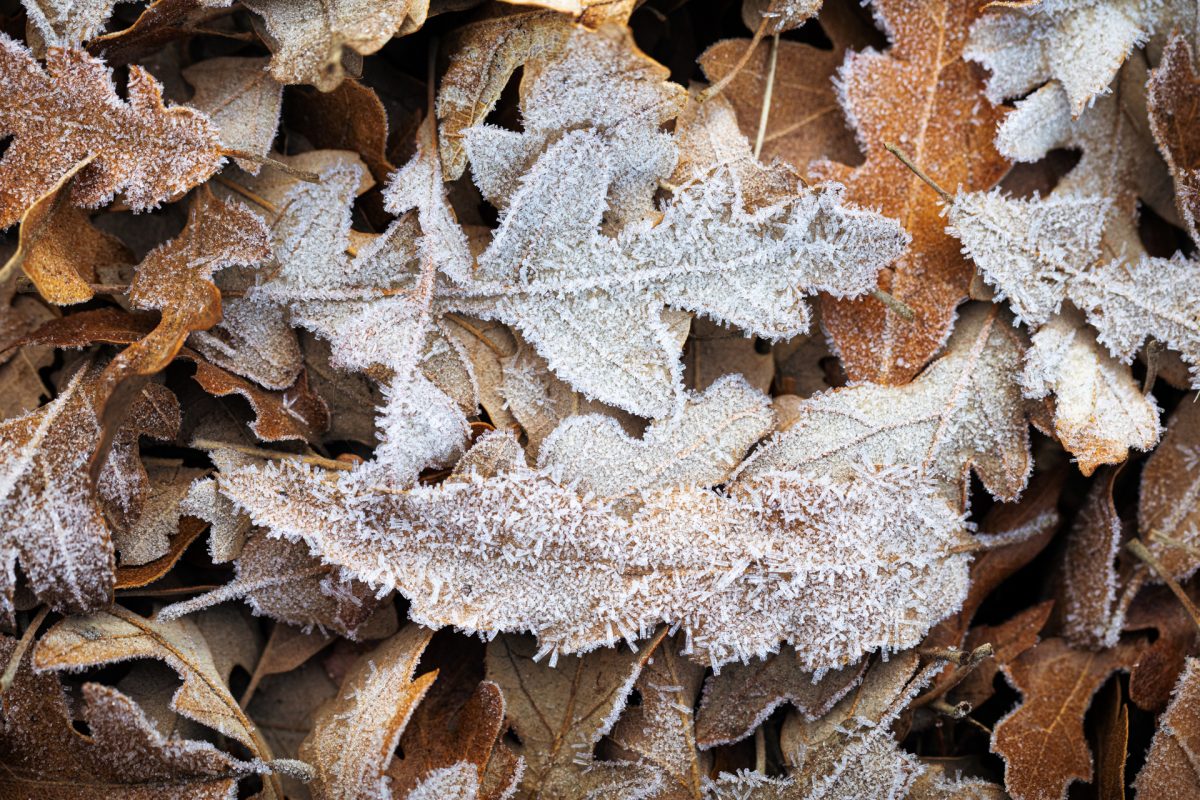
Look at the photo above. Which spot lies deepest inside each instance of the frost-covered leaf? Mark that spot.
(1079, 44)
(68, 110)
(1168, 512)
(242, 100)
(1171, 769)
(660, 730)
(756, 570)
(149, 537)
(742, 696)
(45, 757)
(118, 635)
(53, 526)
(1100, 412)
(355, 732)
(560, 712)
(1173, 96)
(1042, 740)
(923, 96)
(1153, 676)
(700, 447)
(713, 351)
(253, 340)
(309, 39)
(965, 411)
(66, 23)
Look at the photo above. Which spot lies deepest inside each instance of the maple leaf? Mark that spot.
(45, 756)
(965, 411)
(355, 732)
(70, 110)
(1170, 769)
(1042, 740)
(54, 527)
(1171, 98)
(576, 703)
(117, 635)
(924, 96)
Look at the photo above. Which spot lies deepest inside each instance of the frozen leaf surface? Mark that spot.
(1173, 97)
(242, 100)
(71, 111)
(1171, 767)
(1168, 512)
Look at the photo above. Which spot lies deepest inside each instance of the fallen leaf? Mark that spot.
(1160, 664)
(1172, 101)
(242, 99)
(1167, 507)
(1170, 770)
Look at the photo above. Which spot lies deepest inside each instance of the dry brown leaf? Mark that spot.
(965, 412)
(660, 729)
(284, 707)
(713, 351)
(1042, 741)
(742, 696)
(190, 529)
(123, 754)
(150, 535)
(351, 117)
(119, 635)
(1168, 511)
(1174, 101)
(1112, 747)
(1172, 770)
(561, 712)
(1159, 666)
(355, 732)
(1009, 640)
(71, 111)
(242, 100)
(53, 526)
(805, 121)
(922, 96)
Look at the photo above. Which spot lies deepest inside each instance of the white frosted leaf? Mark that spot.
(699, 447)
(1027, 249)
(1100, 412)
(965, 410)
(774, 559)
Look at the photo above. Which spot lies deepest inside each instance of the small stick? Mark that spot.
(259, 452)
(956, 711)
(1153, 348)
(720, 85)
(14, 661)
(906, 161)
(1173, 542)
(899, 306)
(304, 175)
(1140, 550)
(767, 92)
(168, 592)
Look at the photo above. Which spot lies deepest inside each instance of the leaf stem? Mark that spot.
(1139, 549)
(18, 653)
(277, 455)
(719, 86)
(768, 90)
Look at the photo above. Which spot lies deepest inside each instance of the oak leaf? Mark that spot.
(1167, 508)
(241, 99)
(1172, 102)
(1170, 769)
(1042, 740)
(54, 526)
(355, 732)
(1160, 664)
(561, 712)
(70, 111)
(923, 96)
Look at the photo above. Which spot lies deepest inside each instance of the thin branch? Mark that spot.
(920, 173)
(277, 455)
(899, 306)
(1140, 550)
(720, 85)
(304, 175)
(246, 193)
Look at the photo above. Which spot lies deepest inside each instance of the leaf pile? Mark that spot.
(556, 399)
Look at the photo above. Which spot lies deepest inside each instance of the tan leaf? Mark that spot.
(924, 97)
(964, 412)
(713, 351)
(561, 712)
(742, 696)
(1009, 640)
(309, 39)
(53, 526)
(1042, 741)
(149, 152)
(355, 732)
(119, 635)
(1171, 770)
(150, 535)
(1168, 511)
(660, 730)
(1172, 96)
(45, 757)
(242, 100)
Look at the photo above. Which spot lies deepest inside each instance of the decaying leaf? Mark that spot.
(1167, 506)
(241, 99)
(1171, 769)
(1172, 96)
(148, 152)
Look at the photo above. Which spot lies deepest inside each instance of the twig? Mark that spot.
(304, 175)
(1140, 550)
(259, 452)
(167, 592)
(1173, 542)
(768, 90)
(899, 306)
(906, 161)
(956, 711)
(18, 653)
(720, 85)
